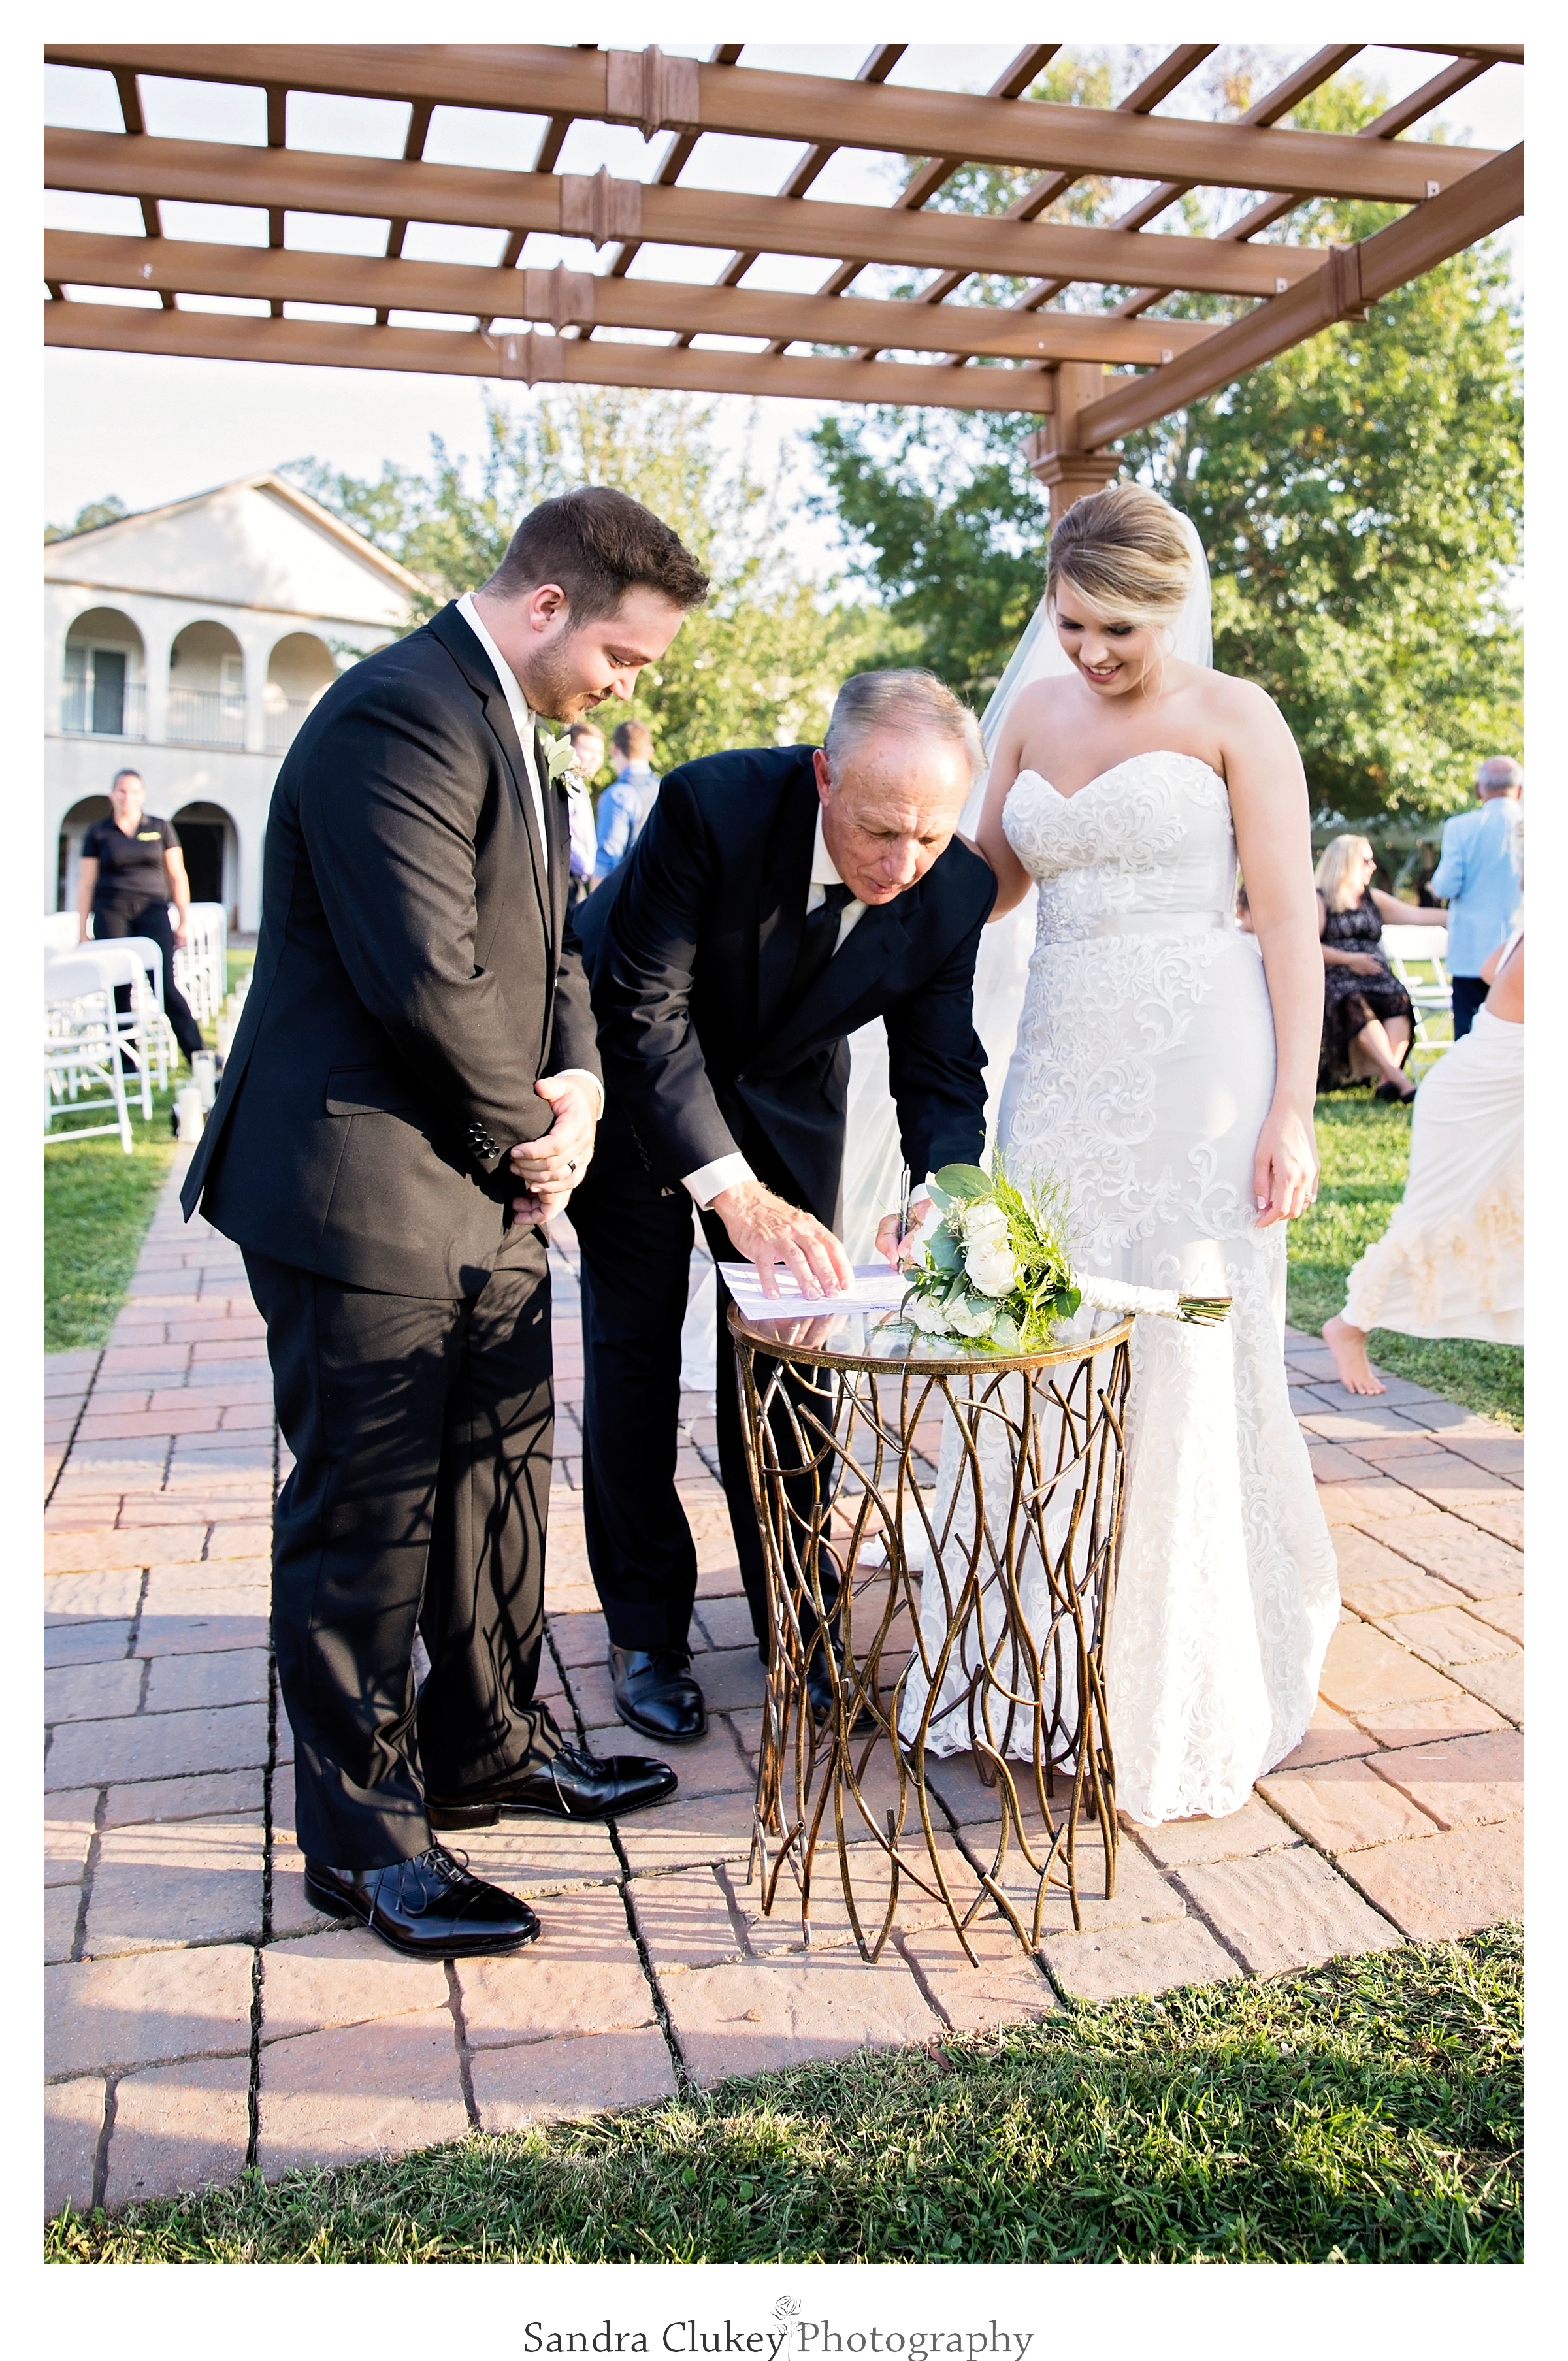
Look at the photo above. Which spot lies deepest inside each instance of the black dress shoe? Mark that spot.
(432, 1906)
(573, 1785)
(654, 1692)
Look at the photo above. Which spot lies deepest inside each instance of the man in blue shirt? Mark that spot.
(1480, 877)
(624, 808)
(587, 745)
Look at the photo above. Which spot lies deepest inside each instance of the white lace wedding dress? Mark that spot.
(1142, 1073)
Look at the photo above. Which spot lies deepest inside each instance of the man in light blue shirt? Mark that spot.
(587, 745)
(1480, 876)
(624, 808)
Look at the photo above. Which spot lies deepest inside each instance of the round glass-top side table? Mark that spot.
(914, 1623)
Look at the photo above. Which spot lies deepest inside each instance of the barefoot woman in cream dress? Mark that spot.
(1165, 1073)
(1451, 1262)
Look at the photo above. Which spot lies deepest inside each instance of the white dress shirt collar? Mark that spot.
(824, 868)
(524, 723)
(824, 873)
(517, 706)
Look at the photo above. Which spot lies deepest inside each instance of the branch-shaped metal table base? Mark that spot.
(929, 1621)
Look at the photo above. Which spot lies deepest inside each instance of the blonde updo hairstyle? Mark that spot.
(1124, 548)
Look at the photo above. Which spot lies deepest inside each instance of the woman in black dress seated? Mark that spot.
(1368, 1023)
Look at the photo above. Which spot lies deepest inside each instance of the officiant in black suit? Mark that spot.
(775, 901)
(414, 1088)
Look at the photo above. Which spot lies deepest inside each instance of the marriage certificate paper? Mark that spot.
(875, 1289)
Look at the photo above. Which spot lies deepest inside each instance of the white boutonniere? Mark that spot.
(561, 761)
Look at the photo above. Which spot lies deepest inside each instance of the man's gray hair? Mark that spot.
(915, 702)
(1497, 773)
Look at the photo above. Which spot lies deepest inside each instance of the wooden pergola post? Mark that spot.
(1057, 458)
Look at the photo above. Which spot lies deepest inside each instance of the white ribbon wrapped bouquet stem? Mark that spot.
(1164, 1302)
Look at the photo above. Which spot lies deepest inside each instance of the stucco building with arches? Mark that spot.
(189, 642)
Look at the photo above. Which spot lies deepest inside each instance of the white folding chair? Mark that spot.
(1419, 957)
(61, 931)
(81, 1053)
(165, 1048)
(140, 1026)
(201, 965)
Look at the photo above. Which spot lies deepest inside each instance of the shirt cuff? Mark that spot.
(581, 1074)
(711, 1180)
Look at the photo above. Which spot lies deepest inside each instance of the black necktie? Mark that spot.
(818, 942)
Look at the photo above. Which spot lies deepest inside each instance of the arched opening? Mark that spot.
(211, 846)
(300, 669)
(206, 688)
(105, 692)
(73, 828)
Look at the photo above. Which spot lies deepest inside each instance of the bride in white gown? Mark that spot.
(1164, 1073)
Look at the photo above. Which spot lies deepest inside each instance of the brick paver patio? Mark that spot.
(202, 2015)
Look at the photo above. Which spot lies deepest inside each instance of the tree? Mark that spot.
(940, 514)
(1359, 497)
(1360, 500)
(758, 664)
(95, 513)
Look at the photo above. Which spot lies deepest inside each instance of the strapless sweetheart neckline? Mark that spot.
(1151, 754)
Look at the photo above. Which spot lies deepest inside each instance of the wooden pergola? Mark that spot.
(1084, 346)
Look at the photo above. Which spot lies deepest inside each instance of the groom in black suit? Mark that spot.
(414, 1088)
(775, 901)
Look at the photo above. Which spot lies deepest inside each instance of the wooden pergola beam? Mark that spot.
(923, 183)
(294, 180)
(875, 68)
(577, 299)
(1172, 71)
(1497, 54)
(678, 94)
(1386, 125)
(1026, 67)
(608, 324)
(1353, 277)
(675, 162)
(536, 360)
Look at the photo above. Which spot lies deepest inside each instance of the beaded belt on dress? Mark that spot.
(1171, 926)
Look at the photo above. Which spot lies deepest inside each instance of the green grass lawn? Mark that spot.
(1365, 1150)
(97, 1204)
(1367, 2112)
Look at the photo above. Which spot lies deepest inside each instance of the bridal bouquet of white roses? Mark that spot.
(992, 1267)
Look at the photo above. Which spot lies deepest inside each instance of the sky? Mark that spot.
(149, 429)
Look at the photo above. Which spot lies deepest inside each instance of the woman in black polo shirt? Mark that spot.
(132, 868)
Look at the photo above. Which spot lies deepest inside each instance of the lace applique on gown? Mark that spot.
(1143, 1070)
